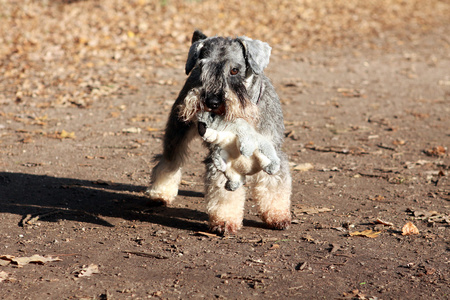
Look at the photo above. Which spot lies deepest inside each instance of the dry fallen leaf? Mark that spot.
(377, 198)
(435, 151)
(27, 140)
(66, 135)
(61, 135)
(398, 142)
(291, 134)
(151, 129)
(367, 233)
(88, 271)
(5, 277)
(132, 130)
(308, 238)
(349, 92)
(185, 182)
(310, 210)
(379, 221)
(409, 229)
(5, 260)
(114, 114)
(274, 247)
(22, 261)
(38, 259)
(423, 214)
(303, 167)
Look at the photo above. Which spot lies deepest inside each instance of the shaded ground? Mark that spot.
(366, 114)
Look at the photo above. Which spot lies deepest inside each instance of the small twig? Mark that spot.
(202, 233)
(382, 146)
(248, 278)
(68, 254)
(373, 175)
(262, 240)
(338, 149)
(145, 254)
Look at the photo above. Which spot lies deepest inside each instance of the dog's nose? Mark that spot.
(213, 102)
(201, 128)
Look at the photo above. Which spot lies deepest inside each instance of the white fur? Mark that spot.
(165, 187)
(225, 208)
(166, 175)
(272, 193)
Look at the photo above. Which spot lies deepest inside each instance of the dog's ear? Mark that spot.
(194, 51)
(257, 53)
(197, 36)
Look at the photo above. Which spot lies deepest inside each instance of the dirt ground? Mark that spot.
(85, 93)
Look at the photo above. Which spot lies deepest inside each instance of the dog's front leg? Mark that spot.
(166, 175)
(225, 208)
(272, 193)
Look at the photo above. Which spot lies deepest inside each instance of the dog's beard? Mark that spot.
(234, 107)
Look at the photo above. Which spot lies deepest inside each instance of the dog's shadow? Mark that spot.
(52, 199)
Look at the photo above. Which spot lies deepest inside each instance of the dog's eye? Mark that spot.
(234, 71)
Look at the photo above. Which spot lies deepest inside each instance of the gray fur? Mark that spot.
(257, 53)
(239, 151)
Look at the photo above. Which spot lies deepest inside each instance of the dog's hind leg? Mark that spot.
(166, 175)
(273, 196)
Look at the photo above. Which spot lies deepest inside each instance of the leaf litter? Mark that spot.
(430, 216)
(80, 58)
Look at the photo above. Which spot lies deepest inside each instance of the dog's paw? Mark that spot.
(272, 168)
(162, 197)
(210, 135)
(223, 227)
(219, 163)
(278, 220)
(233, 185)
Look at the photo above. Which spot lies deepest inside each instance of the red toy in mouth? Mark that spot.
(220, 111)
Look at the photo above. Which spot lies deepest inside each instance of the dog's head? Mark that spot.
(227, 69)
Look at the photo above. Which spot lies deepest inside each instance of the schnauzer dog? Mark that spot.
(226, 78)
